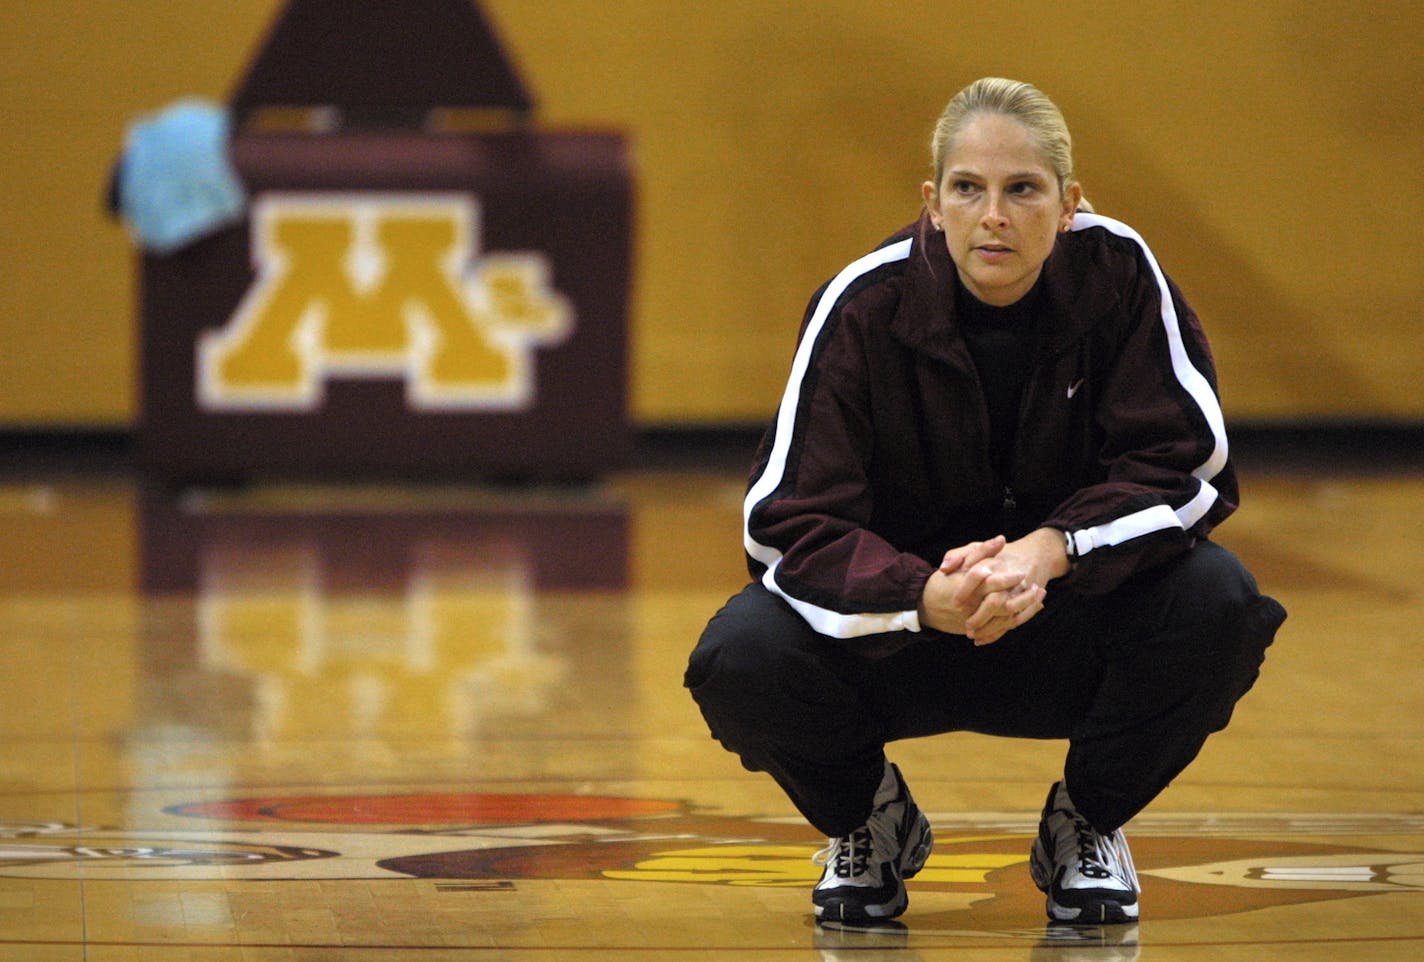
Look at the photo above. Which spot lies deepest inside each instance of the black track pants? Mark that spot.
(1135, 680)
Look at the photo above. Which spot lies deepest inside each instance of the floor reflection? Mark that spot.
(369, 612)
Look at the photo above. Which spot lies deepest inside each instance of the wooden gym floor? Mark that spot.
(446, 723)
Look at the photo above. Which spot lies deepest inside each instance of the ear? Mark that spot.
(931, 195)
(1071, 198)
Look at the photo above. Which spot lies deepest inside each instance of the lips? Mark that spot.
(993, 252)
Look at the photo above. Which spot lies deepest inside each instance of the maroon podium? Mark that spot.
(427, 285)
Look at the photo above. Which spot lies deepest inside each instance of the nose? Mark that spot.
(994, 215)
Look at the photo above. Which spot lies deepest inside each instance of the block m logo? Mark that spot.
(380, 286)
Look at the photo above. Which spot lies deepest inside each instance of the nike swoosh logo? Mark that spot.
(1073, 388)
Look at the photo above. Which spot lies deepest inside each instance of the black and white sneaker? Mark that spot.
(1088, 877)
(865, 871)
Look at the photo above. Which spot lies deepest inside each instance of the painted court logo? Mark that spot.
(380, 286)
(1194, 866)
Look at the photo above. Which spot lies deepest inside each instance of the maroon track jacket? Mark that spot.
(878, 460)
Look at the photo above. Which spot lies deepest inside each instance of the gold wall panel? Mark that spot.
(1268, 152)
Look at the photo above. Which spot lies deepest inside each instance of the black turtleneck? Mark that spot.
(1003, 342)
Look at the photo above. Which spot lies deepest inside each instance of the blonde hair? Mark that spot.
(1010, 98)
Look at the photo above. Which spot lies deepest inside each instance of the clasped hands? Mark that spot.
(985, 589)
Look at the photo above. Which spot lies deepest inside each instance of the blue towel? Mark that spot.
(176, 183)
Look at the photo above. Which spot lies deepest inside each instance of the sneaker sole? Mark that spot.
(837, 910)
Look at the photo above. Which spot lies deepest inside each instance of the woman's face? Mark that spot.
(1000, 207)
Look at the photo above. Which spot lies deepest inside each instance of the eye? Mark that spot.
(1023, 187)
(964, 186)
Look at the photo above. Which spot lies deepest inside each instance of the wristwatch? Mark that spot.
(1070, 546)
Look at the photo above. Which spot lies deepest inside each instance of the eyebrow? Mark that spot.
(1021, 175)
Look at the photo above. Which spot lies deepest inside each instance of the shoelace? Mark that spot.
(1102, 856)
(851, 853)
(1089, 862)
